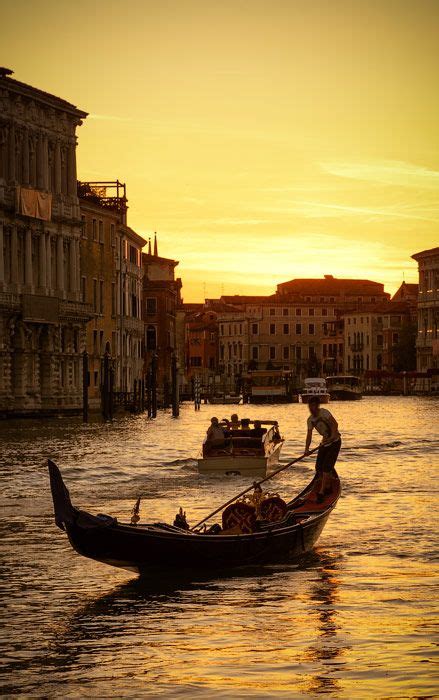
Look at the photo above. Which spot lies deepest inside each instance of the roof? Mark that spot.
(425, 253)
(383, 307)
(331, 285)
(150, 258)
(406, 290)
(36, 94)
(128, 231)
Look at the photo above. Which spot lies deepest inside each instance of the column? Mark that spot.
(60, 262)
(78, 265)
(42, 260)
(57, 183)
(2, 262)
(11, 154)
(48, 262)
(25, 156)
(45, 163)
(72, 262)
(28, 258)
(71, 170)
(14, 255)
(40, 165)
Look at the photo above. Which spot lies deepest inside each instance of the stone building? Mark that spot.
(201, 345)
(42, 317)
(130, 325)
(299, 328)
(373, 337)
(103, 212)
(427, 343)
(161, 299)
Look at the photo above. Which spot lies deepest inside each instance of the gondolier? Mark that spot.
(324, 422)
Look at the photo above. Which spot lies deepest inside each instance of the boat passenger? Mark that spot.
(324, 422)
(215, 435)
(245, 426)
(258, 431)
(234, 422)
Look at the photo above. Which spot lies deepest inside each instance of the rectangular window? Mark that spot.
(113, 298)
(298, 328)
(101, 342)
(95, 342)
(311, 329)
(285, 312)
(195, 362)
(286, 352)
(94, 228)
(298, 312)
(113, 235)
(272, 329)
(255, 328)
(151, 305)
(286, 328)
(298, 353)
(84, 289)
(95, 295)
(101, 231)
(273, 352)
(324, 312)
(101, 296)
(84, 226)
(311, 312)
(255, 352)
(272, 312)
(133, 255)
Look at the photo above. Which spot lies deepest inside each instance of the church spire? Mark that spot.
(149, 246)
(155, 244)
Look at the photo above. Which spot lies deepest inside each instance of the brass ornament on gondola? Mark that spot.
(244, 514)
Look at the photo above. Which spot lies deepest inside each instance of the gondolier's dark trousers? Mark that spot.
(327, 456)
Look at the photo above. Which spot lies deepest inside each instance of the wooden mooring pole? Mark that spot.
(85, 382)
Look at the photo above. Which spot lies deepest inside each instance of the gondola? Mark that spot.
(260, 528)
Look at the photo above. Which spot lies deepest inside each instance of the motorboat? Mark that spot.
(344, 388)
(255, 529)
(315, 386)
(243, 452)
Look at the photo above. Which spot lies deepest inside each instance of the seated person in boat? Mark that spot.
(245, 426)
(258, 431)
(324, 422)
(216, 438)
(234, 422)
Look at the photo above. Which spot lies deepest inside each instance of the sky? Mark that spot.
(262, 139)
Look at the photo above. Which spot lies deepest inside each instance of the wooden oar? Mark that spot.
(255, 484)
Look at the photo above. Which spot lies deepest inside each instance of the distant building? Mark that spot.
(409, 294)
(161, 299)
(427, 343)
(374, 338)
(42, 316)
(300, 328)
(201, 335)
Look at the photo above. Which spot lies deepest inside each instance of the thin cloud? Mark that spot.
(387, 172)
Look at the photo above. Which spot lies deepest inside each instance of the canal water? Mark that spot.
(354, 619)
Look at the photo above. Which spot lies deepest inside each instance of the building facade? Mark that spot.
(374, 338)
(42, 316)
(427, 343)
(201, 345)
(161, 299)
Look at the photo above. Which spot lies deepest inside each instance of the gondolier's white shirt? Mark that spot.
(321, 422)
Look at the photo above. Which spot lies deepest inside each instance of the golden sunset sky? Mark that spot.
(262, 139)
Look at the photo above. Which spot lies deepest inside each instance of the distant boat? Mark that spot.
(344, 388)
(244, 453)
(225, 399)
(261, 529)
(315, 386)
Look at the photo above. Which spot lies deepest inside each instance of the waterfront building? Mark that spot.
(201, 340)
(300, 328)
(161, 299)
(42, 316)
(103, 208)
(378, 338)
(427, 343)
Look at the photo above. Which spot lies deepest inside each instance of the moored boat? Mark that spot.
(315, 386)
(243, 452)
(225, 399)
(258, 529)
(344, 388)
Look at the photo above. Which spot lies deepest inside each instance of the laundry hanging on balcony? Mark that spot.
(34, 203)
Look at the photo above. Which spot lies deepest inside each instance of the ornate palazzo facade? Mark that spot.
(42, 317)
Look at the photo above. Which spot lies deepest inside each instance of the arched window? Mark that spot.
(151, 338)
